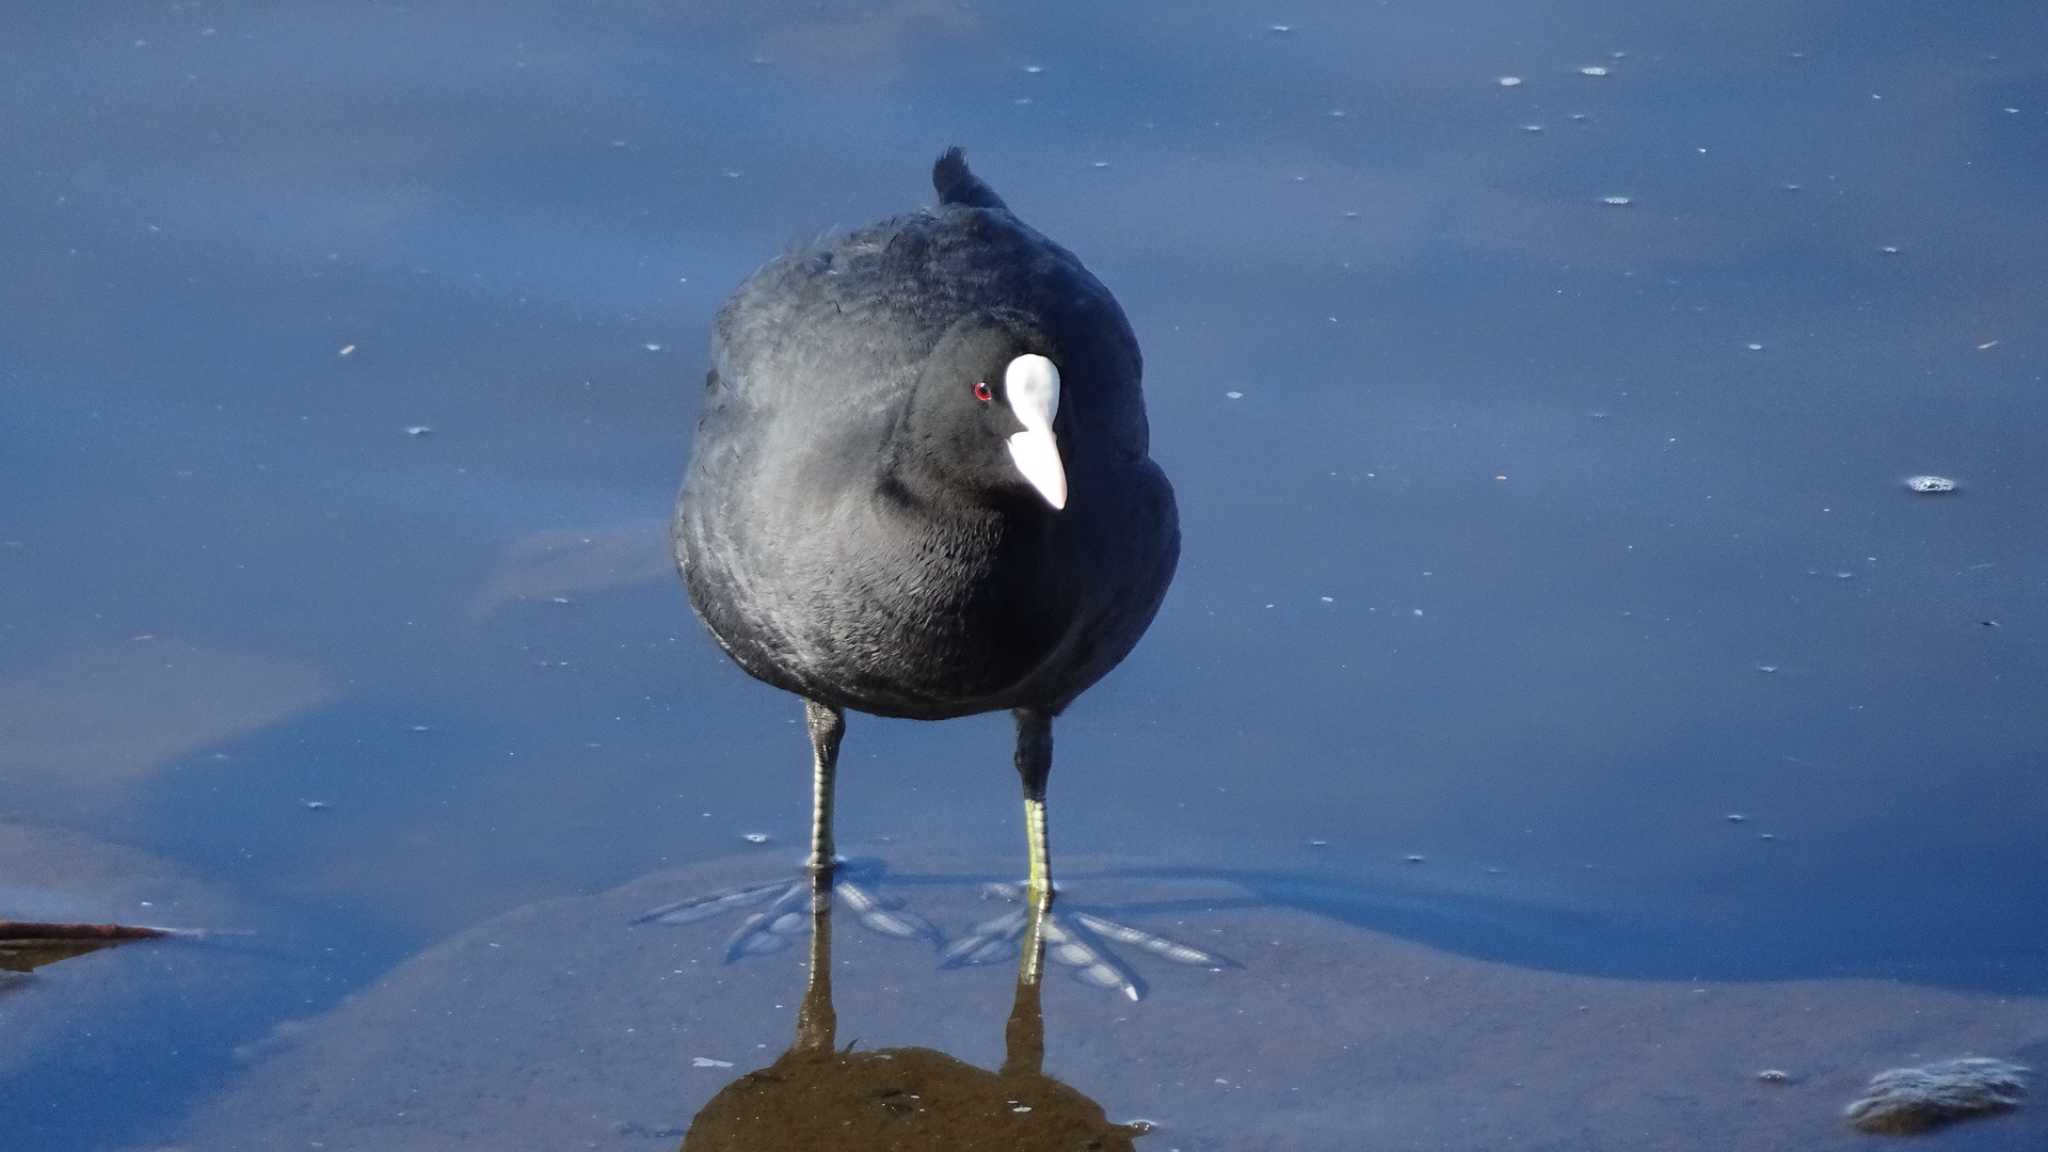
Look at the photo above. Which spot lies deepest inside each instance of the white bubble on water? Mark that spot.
(1617, 201)
(1509, 81)
(1930, 485)
(1532, 129)
(1034, 69)
(1754, 347)
(1593, 70)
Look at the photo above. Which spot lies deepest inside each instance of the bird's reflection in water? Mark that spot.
(818, 1096)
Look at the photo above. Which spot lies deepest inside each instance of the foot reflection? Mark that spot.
(1080, 940)
(818, 1096)
(1076, 937)
(782, 903)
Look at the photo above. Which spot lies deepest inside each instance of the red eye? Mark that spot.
(982, 393)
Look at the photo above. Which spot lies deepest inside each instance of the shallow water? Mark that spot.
(1553, 605)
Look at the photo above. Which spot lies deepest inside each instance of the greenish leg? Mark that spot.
(1034, 764)
(826, 724)
(1034, 838)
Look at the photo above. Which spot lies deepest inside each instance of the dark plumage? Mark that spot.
(858, 525)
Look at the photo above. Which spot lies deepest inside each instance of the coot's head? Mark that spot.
(982, 415)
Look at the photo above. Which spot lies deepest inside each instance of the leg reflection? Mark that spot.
(909, 1098)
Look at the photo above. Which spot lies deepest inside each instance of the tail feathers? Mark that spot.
(956, 184)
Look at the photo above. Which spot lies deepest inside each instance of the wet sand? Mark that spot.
(560, 1026)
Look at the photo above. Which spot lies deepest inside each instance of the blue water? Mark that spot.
(350, 354)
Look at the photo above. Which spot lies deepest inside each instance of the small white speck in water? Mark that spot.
(1593, 70)
(1233, 395)
(708, 1062)
(1617, 201)
(754, 837)
(1509, 81)
(418, 430)
(1930, 485)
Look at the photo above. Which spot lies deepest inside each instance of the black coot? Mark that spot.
(921, 485)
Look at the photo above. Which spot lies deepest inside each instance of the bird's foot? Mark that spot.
(1076, 938)
(784, 908)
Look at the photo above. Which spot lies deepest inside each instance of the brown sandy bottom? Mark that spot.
(561, 1026)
